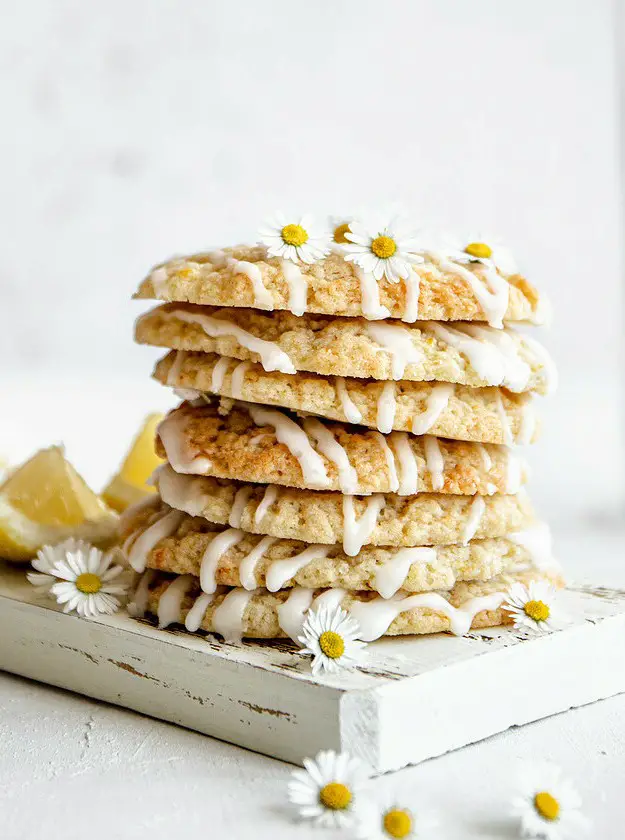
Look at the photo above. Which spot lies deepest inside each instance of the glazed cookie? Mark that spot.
(488, 415)
(252, 443)
(462, 353)
(318, 516)
(259, 614)
(438, 289)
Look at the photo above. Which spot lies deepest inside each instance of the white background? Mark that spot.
(132, 130)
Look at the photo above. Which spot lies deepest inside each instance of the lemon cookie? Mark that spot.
(437, 289)
(461, 353)
(252, 443)
(353, 521)
(259, 614)
(487, 415)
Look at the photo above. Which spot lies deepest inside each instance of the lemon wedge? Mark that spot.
(46, 501)
(129, 485)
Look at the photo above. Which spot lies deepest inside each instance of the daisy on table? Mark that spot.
(547, 805)
(392, 818)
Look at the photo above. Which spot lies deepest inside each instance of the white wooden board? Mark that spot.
(412, 699)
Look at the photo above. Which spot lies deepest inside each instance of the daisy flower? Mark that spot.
(386, 250)
(328, 791)
(532, 606)
(298, 239)
(548, 806)
(487, 250)
(330, 636)
(390, 819)
(47, 557)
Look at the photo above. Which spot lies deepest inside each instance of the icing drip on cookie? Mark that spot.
(387, 407)
(139, 604)
(247, 567)
(508, 437)
(536, 540)
(334, 452)
(170, 602)
(437, 402)
(411, 284)
(397, 342)
(528, 423)
(281, 571)
(298, 287)
(434, 461)
(476, 511)
(269, 497)
(350, 410)
(393, 480)
(492, 297)
(157, 531)
(174, 370)
(219, 374)
(392, 575)
(549, 370)
(215, 550)
(517, 373)
(296, 440)
(487, 461)
(180, 493)
(262, 296)
(370, 296)
(160, 280)
(271, 356)
(292, 612)
(228, 617)
(195, 616)
(238, 376)
(514, 471)
(408, 467)
(484, 358)
(217, 258)
(171, 433)
(241, 498)
(357, 532)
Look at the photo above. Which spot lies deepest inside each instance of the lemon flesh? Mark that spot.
(45, 501)
(129, 485)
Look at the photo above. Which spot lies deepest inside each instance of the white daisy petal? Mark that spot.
(329, 791)
(547, 805)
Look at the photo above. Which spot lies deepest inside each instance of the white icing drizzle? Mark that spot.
(334, 452)
(485, 456)
(514, 471)
(396, 341)
(254, 441)
(189, 394)
(228, 617)
(391, 575)
(298, 287)
(491, 488)
(536, 540)
(180, 493)
(271, 356)
(215, 550)
(139, 604)
(269, 497)
(508, 437)
(517, 373)
(329, 598)
(157, 531)
(170, 602)
(217, 258)
(528, 423)
(389, 457)
(437, 401)
(262, 295)
(160, 279)
(408, 467)
(434, 461)
(484, 358)
(171, 433)
(296, 440)
(174, 371)
(493, 298)
(281, 571)
(370, 296)
(241, 498)
(195, 616)
(412, 285)
(476, 511)
(357, 532)
(219, 374)
(292, 612)
(350, 410)
(247, 567)
(387, 407)
(377, 615)
(238, 376)
(549, 370)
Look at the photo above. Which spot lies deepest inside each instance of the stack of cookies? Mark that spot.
(352, 405)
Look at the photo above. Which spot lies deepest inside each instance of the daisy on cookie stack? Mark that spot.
(353, 401)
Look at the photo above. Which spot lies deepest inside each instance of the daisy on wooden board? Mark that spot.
(330, 636)
(533, 607)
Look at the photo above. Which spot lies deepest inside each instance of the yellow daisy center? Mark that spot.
(332, 644)
(335, 796)
(383, 247)
(88, 583)
(547, 806)
(537, 610)
(186, 271)
(339, 233)
(480, 250)
(294, 235)
(397, 823)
